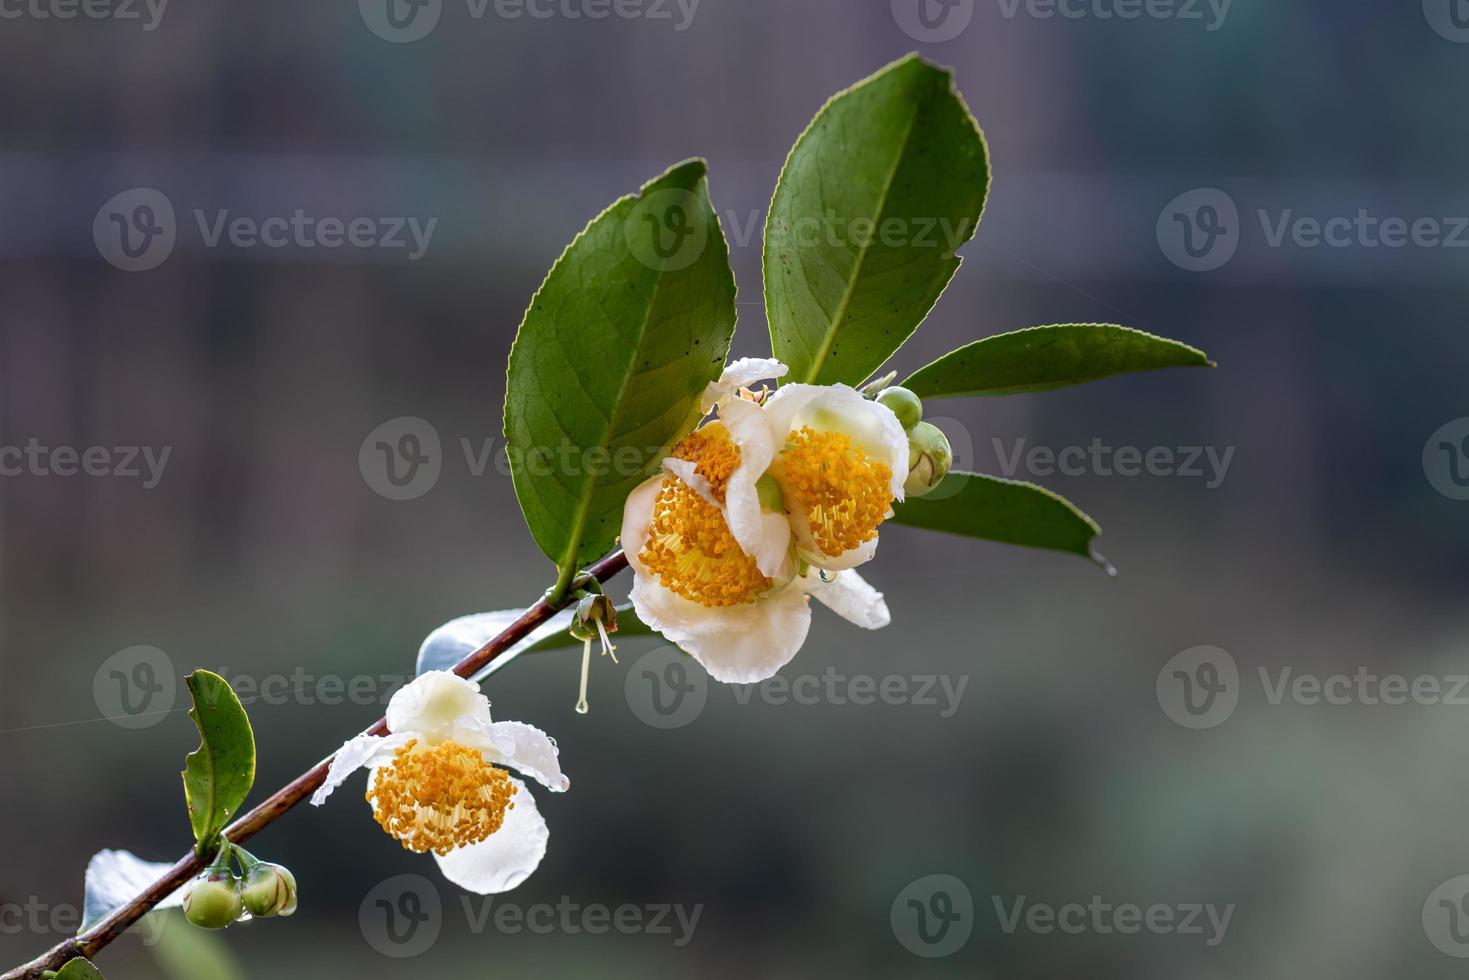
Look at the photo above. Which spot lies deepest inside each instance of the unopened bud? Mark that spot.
(213, 900)
(269, 890)
(929, 459)
(902, 403)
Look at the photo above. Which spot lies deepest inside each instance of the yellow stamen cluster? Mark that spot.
(844, 493)
(690, 548)
(440, 798)
(713, 454)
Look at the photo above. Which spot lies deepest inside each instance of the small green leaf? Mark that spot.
(1008, 511)
(876, 197)
(1045, 358)
(78, 969)
(631, 324)
(218, 775)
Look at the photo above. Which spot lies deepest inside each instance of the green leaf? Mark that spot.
(631, 324)
(1045, 358)
(979, 506)
(218, 775)
(79, 969)
(876, 197)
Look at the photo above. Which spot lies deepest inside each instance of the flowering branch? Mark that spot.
(284, 799)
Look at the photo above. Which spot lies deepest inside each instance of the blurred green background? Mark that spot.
(795, 829)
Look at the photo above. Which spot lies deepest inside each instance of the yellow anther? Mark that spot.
(690, 548)
(713, 454)
(440, 798)
(844, 493)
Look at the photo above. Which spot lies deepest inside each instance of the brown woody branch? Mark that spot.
(282, 800)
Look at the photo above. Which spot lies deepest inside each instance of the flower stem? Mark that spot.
(278, 803)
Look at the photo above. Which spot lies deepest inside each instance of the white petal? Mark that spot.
(505, 858)
(748, 429)
(355, 753)
(524, 747)
(773, 553)
(850, 597)
(781, 408)
(850, 558)
(688, 472)
(741, 374)
(434, 703)
(674, 616)
(637, 514)
(757, 652)
(458, 638)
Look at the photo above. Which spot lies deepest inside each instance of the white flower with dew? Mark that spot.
(840, 461)
(438, 783)
(713, 569)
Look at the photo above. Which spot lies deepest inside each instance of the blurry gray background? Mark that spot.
(799, 828)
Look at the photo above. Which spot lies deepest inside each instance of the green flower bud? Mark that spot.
(213, 900)
(269, 890)
(929, 459)
(772, 500)
(902, 403)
